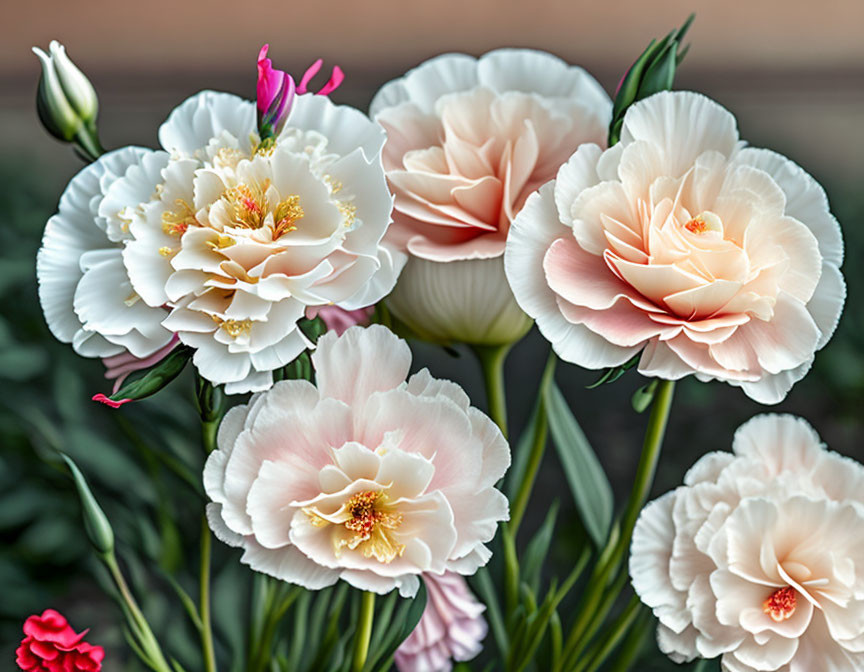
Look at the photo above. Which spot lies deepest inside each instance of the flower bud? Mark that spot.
(66, 100)
(95, 521)
(465, 301)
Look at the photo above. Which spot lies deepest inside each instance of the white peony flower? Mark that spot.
(235, 238)
(467, 141)
(84, 287)
(707, 257)
(367, 477)
(759, 556)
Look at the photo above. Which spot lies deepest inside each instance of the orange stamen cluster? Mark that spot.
(781, 604)
(696, 225)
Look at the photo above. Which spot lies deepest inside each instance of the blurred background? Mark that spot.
(793, 75)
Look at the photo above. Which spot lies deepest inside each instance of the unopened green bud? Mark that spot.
(95, 521)
(66, 100)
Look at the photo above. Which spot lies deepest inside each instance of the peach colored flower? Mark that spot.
(759, 556)
(452, 627)
(376, 480)
(467, 141)
(679, 242)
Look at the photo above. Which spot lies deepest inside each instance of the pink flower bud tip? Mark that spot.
(102, 399)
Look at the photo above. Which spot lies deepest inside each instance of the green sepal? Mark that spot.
(156, 377)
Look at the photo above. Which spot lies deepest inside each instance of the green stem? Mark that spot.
(492, 362)
(616, 632)
(209, 428)
(87, 141)
(647, 463)
(538, 448)
(148, 643)
(606, 570)
(364, 631)
(207, 647)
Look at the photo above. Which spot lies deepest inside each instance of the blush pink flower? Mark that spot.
(680, 243)
(377, 481)
(51, 645)
(338, 319)
(467, 141)
(452, 627)
(759, 556)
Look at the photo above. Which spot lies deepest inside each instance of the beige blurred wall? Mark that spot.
(793, 71)
(195, 34)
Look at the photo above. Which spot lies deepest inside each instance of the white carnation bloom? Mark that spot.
(759, 556)
(84, 287)
(365, 477)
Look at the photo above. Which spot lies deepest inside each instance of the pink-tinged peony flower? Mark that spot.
(367, 477)
(51, 645)
(467, 141)
(759, 556)
(679, 242)
(452, 627)
(338, 319)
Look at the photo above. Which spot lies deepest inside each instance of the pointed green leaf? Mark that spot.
(588, 483)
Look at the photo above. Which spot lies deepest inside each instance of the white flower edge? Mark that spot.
(501, 70)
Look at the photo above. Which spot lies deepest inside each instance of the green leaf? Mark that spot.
(406, 619)
(661, 74)
(588, 483)
(614, 373)
(538, 548)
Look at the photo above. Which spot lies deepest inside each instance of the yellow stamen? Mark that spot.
(233, 327)
(349, 212)
(166, 251)
(176, 222)
(249, 203)
(221, 242)
(287, 213)
(334, 184)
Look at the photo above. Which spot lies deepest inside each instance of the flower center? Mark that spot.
(781, 604)
(705, 222)
(363, 523)
(249, 204)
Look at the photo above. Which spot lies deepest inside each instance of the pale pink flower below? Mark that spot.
(338, 319)
(683, 245)
(368, 477)
(759, 556)
(452, 627)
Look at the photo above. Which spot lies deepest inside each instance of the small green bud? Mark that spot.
(95, 521)
(66, 100)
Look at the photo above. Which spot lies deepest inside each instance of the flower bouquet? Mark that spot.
(288, 252)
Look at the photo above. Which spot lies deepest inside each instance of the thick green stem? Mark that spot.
(147, 640)
(87, 141)
(364, 631)
(207, 648)
(538, 448)
(492, 362)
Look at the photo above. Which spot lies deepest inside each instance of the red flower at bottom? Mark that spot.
(51, 645)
